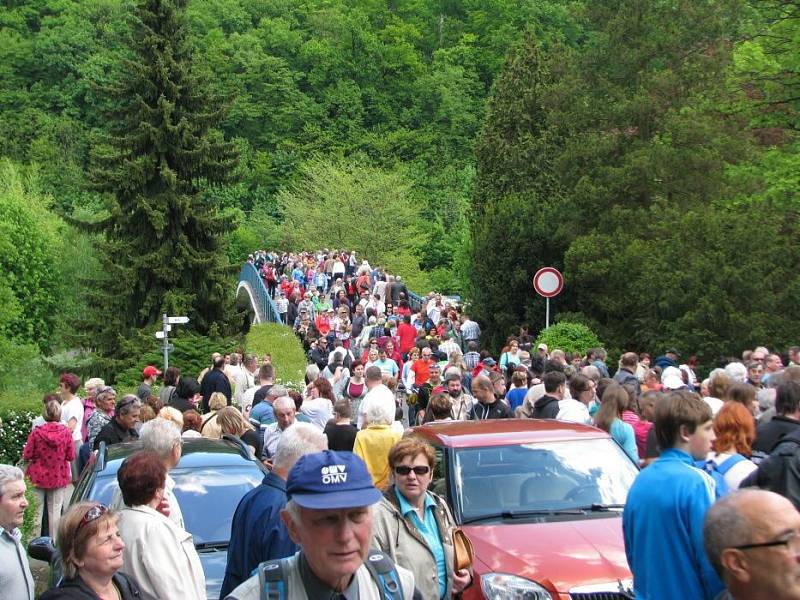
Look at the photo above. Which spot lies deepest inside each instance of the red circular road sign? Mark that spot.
(548, 282)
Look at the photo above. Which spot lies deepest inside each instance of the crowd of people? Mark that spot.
(346, 503)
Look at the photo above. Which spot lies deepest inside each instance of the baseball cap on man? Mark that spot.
(150, 370)
(331, 480)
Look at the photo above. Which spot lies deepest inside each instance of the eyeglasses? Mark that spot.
(94, 513)
(791, 541)
(404, 470)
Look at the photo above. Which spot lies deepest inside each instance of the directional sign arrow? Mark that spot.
(160, 335)
(178, 320)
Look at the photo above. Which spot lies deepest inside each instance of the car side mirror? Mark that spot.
(41, 548)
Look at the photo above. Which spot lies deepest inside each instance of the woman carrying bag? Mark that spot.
(416, 528)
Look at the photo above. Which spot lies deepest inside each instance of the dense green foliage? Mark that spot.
(569, 337)
(191, 355)
(642, 168)
(624, 142)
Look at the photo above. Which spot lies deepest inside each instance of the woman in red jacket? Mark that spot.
(49, 449)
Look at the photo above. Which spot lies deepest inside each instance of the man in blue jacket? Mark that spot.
(667, 503)
(257, 532)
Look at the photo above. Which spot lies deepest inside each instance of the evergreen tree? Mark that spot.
(513, 214)
(160, 162)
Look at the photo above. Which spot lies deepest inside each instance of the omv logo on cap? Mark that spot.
(334, 474)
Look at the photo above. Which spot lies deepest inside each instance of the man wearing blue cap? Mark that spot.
(329, 515)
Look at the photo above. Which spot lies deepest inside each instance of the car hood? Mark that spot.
(562, 554)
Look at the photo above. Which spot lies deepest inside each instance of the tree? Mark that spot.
(513, 216)
(29, 242)
(351, 205)
(159, 163)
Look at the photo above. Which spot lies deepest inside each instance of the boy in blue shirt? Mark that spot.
(667, 503)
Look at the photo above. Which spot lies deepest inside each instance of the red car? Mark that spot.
(542, 503)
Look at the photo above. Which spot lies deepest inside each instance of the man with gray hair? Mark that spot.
(752, 539)
(285, 413)
(257, 533)
(164, 438)
(16, 580)
(330, 518)
(244, 379)
(122, 427)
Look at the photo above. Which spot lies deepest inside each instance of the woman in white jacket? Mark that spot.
(159, 554)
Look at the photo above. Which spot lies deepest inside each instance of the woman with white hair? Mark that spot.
(736, 371)
(375, 440)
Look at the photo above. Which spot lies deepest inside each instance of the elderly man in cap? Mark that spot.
(752, 538)
(329, 515)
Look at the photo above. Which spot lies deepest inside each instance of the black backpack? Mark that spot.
(780, 471)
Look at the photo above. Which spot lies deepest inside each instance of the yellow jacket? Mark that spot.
(373, 445)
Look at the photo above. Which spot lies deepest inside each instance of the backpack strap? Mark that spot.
(729, 463)
(384, 573)
(272, 580)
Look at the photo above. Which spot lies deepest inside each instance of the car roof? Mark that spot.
(501, 432)
(197, 452)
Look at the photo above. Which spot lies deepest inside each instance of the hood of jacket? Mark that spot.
(53, 435)
(545, 400)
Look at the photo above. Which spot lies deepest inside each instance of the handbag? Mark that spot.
(463, 551)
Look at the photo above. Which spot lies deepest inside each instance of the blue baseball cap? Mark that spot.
(330, 480)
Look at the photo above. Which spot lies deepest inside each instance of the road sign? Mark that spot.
(548, 282)
(178, 320)
(168, 347)
(160, 335)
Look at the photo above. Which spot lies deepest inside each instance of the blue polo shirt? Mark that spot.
(429, 532)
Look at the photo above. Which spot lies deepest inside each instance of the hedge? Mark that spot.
(569, 337)
(286, 350)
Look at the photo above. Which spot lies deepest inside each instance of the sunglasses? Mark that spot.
(94, 513)
(404, 470)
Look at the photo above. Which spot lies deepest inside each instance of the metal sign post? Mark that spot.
(548, 283)
(166, 327)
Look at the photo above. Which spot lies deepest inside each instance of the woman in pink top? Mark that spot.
(49, 449)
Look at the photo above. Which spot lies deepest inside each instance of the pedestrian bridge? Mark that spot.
(252, 294)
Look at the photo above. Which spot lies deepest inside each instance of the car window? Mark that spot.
(208, 497)
(542, 476)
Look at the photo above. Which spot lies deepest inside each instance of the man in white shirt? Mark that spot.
(377, 394)
(284, 418)
(245, 378)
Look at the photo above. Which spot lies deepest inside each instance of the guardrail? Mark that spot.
(263, 304)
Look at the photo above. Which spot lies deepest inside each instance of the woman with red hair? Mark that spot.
(735, 430)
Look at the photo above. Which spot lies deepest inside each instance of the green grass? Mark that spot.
(286, 350)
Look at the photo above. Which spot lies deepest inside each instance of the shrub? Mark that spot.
(569, 337)
(284, 347)
(14, 433)
(191, 355)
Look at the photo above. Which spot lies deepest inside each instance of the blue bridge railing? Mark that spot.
(263, 304)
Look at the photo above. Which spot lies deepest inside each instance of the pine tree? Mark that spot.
(161, 162)
(513, 221)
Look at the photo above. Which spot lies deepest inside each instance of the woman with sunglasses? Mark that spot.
(92, 554)
(414, 526)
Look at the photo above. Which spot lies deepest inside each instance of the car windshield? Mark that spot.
(547, 478)
(208, 497)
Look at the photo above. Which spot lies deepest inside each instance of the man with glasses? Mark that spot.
(752, 538)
